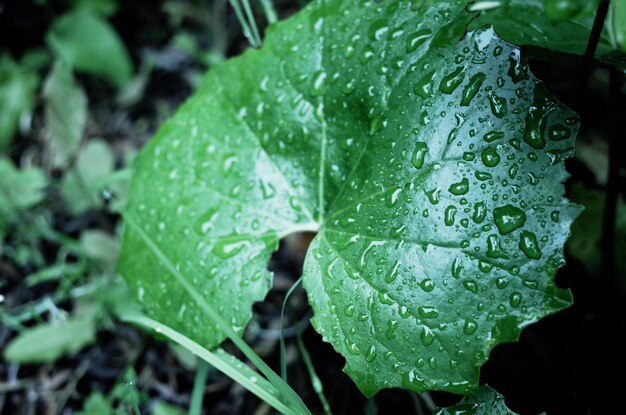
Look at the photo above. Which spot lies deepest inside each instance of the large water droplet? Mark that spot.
(528, 244)
(451, 82)
(419, 154)
(508, 218)
(472, 88)
(459, 188)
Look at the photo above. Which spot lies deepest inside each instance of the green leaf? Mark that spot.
(48, 342)
(429, 162)
(584, 244)
(100, 246)
(82, 185)
(19, 190)
(560, 25)
(103, 7)
(97, 404)
(66, 113)
(162, 408)
(17, 93)
(484, 402)
(90, 44)
(618, 13)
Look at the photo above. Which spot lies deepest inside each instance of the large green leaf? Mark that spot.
(429, 161)
(484, 402)
(560, 25)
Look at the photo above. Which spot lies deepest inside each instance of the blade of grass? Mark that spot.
(271, 376)
(247, 32)
(197, 394)
(283, 357)
(315, 380)
(270, 12)
(264, 390)
(252, 21)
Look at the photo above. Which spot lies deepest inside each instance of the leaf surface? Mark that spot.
(484, 402)
(429, 161)
(564, 26)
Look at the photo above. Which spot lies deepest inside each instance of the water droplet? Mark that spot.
(352, 347)
(423, 87)
(559, 132)
(494, 250)
(472, 88)
(470, 327)
(378, 29)
(471, 286)
(392, 326)
(371, 354)
(459, 188)
(498, 105)
(318, 83)
(419, 154)
(508, 218)
(450, 215)
(433, 196)
(518, 67)
(205, 221)
(480, 212)
(515, 299)
(528, 244)
(493, 136)
(230, 246)
(416, 39)
(392, 274)
(451, 82)
(428, 312)
(427, 285)
(427, 336)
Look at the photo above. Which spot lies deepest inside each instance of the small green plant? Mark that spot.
(420, 148)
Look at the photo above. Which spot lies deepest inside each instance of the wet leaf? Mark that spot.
(484, 402)
(564, 26)
(429, 160)
(619, 22)
(90, 44)
(48, 342)
(66, 113)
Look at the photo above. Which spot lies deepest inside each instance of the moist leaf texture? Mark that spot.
(485, 401)
(429, 160)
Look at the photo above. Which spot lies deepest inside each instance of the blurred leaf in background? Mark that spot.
(81, 185)
(103, 7)
(48, 342)
(66, 113)
(19, 190)
(18, 85)
(90, 44)
(584, 244)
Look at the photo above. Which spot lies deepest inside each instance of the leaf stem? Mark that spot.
(283, 357)
(592, 46)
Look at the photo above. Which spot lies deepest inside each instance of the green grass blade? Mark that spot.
(283, 357)
(270, 12)
(197, 395)
(252, 21)
(244, 23)
(265, 392)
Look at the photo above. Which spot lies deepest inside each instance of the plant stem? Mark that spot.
(612, 187)
(590, 51)
(197, 395)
